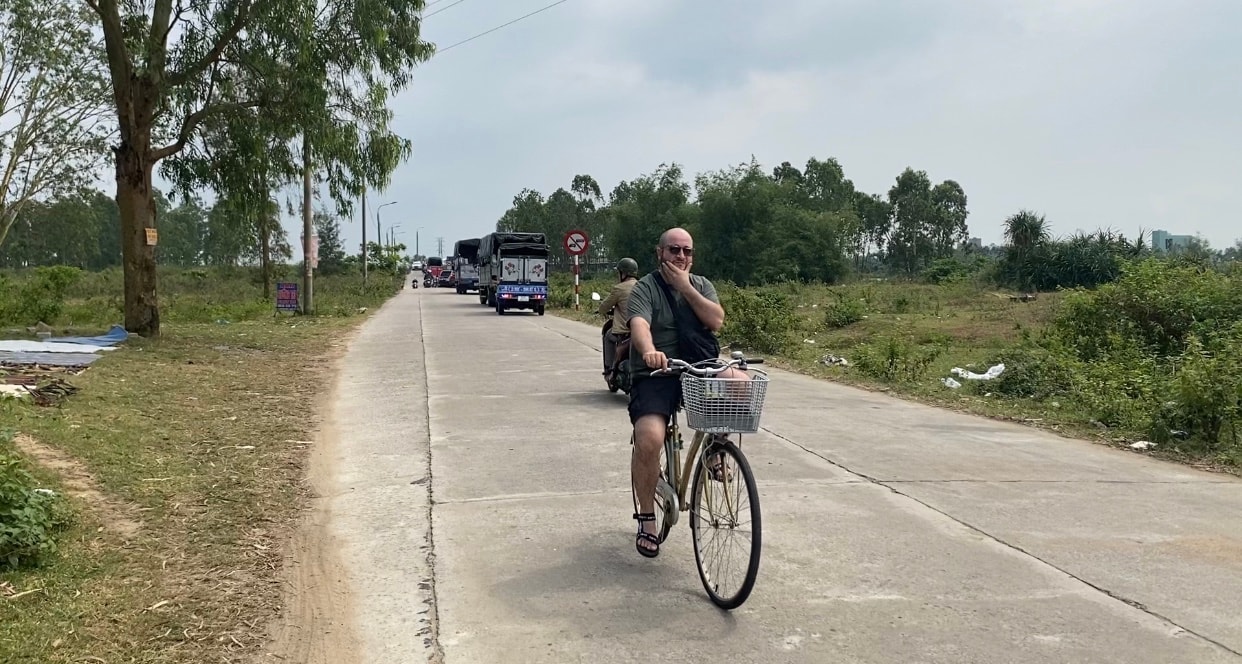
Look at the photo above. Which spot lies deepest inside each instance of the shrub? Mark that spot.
(29, 519)
(1032, 372)
(844, 312)
(949, 270)
(1203, 399)
(761, 320)
(40, 297)
(1156, 304)
(893, 360)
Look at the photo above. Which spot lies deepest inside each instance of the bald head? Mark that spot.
(676, 247)
(675, 236)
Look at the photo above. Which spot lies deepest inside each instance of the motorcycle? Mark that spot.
(616, 376)
(427, 281)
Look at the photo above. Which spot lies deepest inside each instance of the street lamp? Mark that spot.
(392, 235)
(379, 237)
(416, 230)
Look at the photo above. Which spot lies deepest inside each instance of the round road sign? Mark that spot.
(576, 243)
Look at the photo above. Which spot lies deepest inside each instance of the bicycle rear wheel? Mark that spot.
(725, 526)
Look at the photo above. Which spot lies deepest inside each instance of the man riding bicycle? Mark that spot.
(618, 303)
(672, 314)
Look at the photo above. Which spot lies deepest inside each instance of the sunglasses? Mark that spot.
(676, 249)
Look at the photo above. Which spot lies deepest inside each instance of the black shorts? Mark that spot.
(660, 395)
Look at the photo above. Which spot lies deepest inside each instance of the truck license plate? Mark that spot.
(523, 298)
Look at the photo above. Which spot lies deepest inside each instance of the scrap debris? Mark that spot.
(36, 369)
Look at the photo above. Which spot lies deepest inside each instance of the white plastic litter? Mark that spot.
(1142, 445)
(950, 383)
(993, 372)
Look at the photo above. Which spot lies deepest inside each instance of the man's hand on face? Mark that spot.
(676, 277)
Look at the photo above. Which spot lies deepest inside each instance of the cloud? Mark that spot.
(1095, 112)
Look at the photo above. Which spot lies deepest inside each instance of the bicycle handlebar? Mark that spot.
(720, 366)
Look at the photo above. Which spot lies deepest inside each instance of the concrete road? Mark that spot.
(483, 513)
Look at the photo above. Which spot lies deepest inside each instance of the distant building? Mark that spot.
(1167, 243)
(976, 242)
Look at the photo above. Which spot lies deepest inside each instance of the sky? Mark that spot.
(1124, 114)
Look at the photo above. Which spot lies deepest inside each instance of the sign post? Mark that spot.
(576, 243)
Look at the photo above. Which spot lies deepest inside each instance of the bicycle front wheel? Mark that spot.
(725, 524)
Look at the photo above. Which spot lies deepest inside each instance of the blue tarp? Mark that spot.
(113, 336)
(26, 358)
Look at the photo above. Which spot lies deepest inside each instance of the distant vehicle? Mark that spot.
(435, 265)
(467, 265)
(513, 271)
(418, 265)
(445, 280)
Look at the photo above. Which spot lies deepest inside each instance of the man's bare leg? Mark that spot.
(648, 441)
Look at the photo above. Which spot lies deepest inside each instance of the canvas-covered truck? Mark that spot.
(513, 271)
(435, 265)
(467, 264)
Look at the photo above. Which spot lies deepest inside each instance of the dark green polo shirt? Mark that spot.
(648, 302)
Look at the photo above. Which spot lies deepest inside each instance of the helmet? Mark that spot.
(627, 267)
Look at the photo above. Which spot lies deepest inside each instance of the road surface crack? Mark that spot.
(1118, 597)
(433, 637)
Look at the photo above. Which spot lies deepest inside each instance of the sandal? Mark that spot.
(643, 535)
(716, 467)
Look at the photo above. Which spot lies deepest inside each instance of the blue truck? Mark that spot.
(513, 271)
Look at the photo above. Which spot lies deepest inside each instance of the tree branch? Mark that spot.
(196, 118)
(239, 21)
(114, 44)
(157, 39)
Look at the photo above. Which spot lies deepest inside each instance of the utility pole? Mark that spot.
(440, 247)
(364, 236)
(308, 229)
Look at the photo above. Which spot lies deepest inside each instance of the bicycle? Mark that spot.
(716, 408)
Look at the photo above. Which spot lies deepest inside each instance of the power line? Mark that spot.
(481, 34)
(441, 9)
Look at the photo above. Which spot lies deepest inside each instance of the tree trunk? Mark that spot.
(135, 199)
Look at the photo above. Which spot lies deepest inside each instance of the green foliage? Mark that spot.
(1155, 304)
(762, 320)
(1032, 372)
(752, 227)
(1204, 396)
(29, 518)
(38, 298)
(892, 359)
(844, 312)
(954, 269)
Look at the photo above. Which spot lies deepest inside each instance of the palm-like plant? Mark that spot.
(1025, 232)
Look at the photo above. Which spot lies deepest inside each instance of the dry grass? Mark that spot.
(200, 439)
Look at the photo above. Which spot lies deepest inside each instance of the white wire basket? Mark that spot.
(723, 405)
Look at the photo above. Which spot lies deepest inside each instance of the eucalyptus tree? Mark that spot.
(53, 103)
(279, 60)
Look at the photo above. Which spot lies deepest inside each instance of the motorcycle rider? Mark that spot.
(618, 303)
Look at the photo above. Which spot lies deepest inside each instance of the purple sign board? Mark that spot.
(286, 296)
